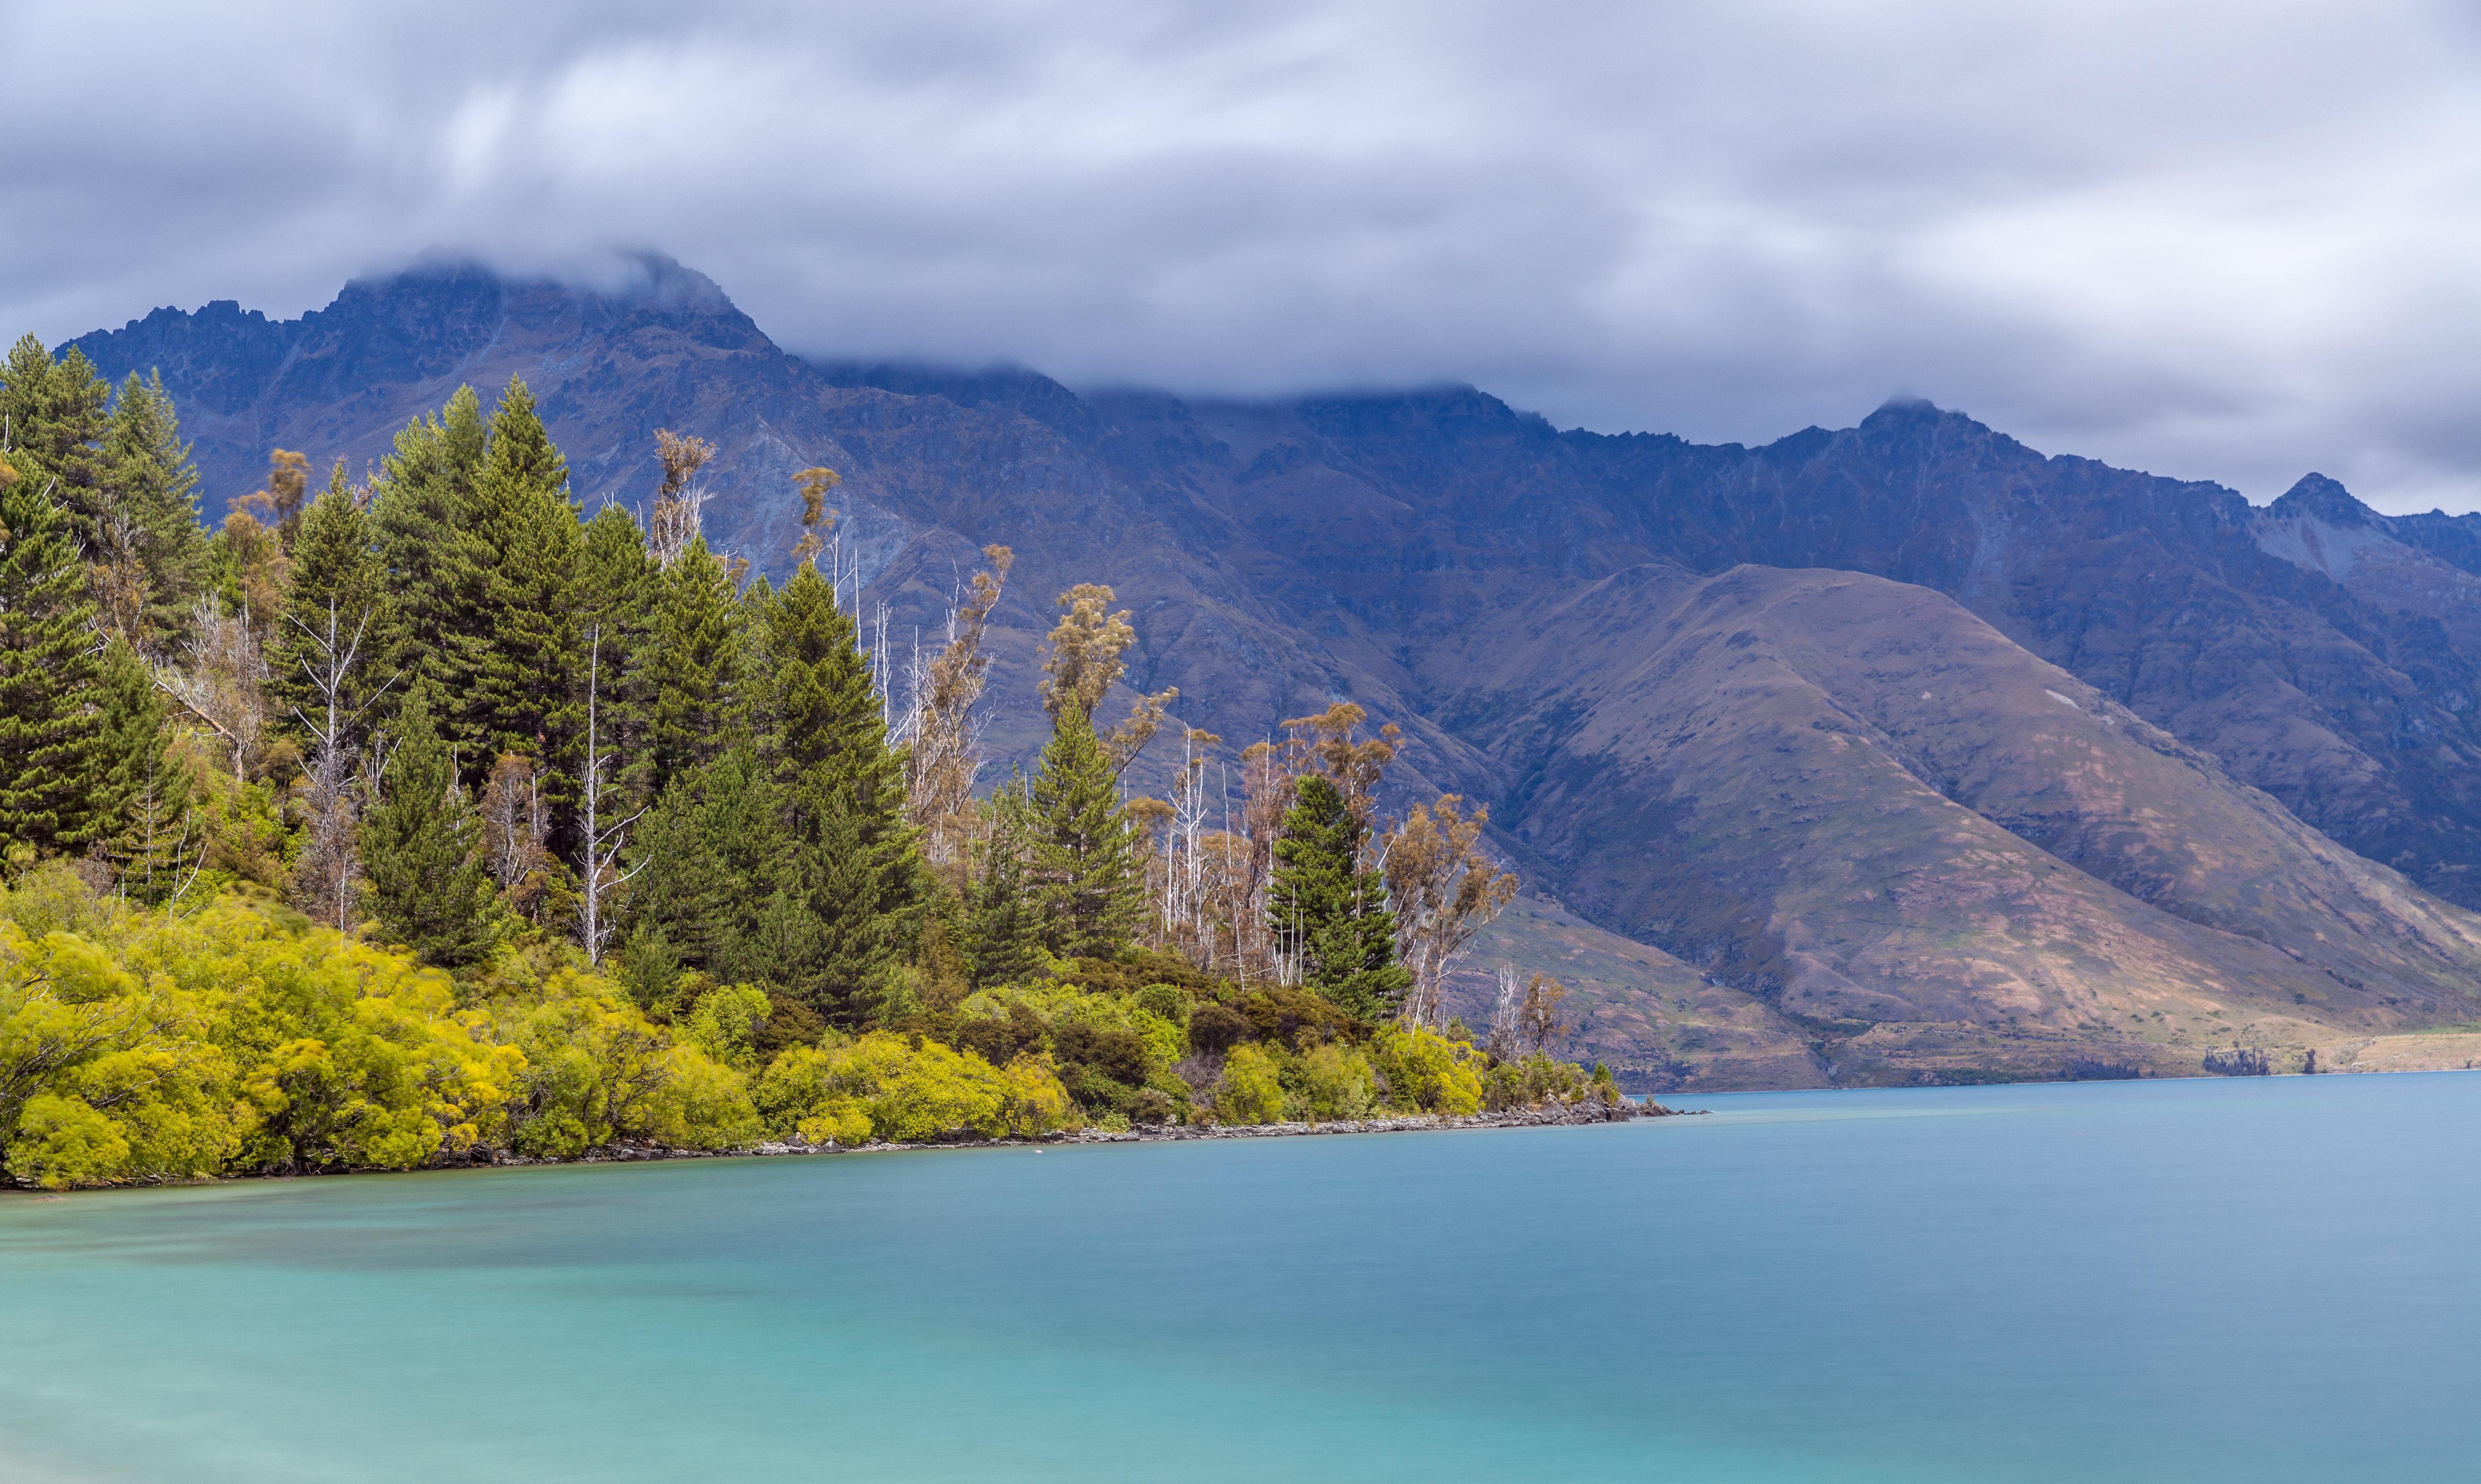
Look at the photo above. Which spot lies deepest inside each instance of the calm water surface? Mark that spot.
(2253, 1279)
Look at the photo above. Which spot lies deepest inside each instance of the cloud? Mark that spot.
(2225, 240)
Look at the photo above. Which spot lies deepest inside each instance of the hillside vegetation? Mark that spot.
(415, 817)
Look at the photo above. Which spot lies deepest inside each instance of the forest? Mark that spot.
(408, 817)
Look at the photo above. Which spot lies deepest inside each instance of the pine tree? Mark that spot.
(715, 857)
(858, 871)
(55, 416)
(52, 754)
(1330, 916)
(1084, 850)
(694, 665)
(336, 605)
(614, 599)
(526, 687)
(421, 848)
(155, 487)
(1003, 938)
(423, 516)
(144, 791)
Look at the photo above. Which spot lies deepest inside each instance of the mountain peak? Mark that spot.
(2320, 498)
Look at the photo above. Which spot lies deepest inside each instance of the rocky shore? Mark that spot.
(1513, 1118)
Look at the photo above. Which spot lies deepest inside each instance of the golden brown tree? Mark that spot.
(1082, 661)
(816, 518)
(278, 506)
(943, 743)
(679, 501)
(1443, 889)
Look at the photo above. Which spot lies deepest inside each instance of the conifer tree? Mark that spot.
(715, 857)
(421, 848)
(1003, 938)
(614, 600)
(1084, 852)
(525, 689)
(155, 487)
(1330, 916)
(858, 871)
(52, 754)
(694, 665)
(142, 793)
(337, 604)
(423, 516)
(55, 416)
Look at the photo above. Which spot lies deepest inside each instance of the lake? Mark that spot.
(2259, 1279)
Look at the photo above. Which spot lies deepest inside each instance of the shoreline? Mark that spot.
(1160, 1134)
(639, 1154)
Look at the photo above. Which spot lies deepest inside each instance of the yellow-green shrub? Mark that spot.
(1334, 1082)
(145, 1045)
(1426, 1070)
(888, 1087)
(1251, 1088)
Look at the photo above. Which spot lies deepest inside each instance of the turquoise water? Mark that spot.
(2252, 1278)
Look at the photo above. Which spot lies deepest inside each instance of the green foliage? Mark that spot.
(888, 1087)
(335, 573)
(1083, 848)
(858, 882)
(52, 753)
(1003, 928)
(716, 859)
(725, 1021)
(1538, 1078)
(420, 845)
(1333, 1082)
(424, 516)
(55, 415)
(155, 487)
(694, 665)
(525, 698)
(1327, 912)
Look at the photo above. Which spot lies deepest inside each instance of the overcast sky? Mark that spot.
(2233, 241)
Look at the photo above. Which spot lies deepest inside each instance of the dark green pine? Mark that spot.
(335, 563)
(143, 792)
(614, 600)
(859, 874)
(56, 415)
(423, 516)
(715, 857)
(525, 688)
(1084, 850)
(1003, 938)
(694, 665)
(147, 469)
(420, 848)
(52, 753)
(1333, 916)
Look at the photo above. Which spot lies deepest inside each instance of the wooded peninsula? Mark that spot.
(418, 817)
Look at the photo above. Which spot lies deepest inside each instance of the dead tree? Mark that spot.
(601, 843)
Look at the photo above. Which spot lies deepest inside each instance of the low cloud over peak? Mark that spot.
(2216, 241)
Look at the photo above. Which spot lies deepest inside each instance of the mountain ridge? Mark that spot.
(1386, 547)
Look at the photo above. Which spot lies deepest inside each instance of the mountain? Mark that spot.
(2179, 768)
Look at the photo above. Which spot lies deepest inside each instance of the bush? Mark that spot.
(146, 1045)
(1531, 1081)
(888, 1087)
(1336, 1083)
(1216, 1029)
(1251, 1088)
(1426, 1070)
